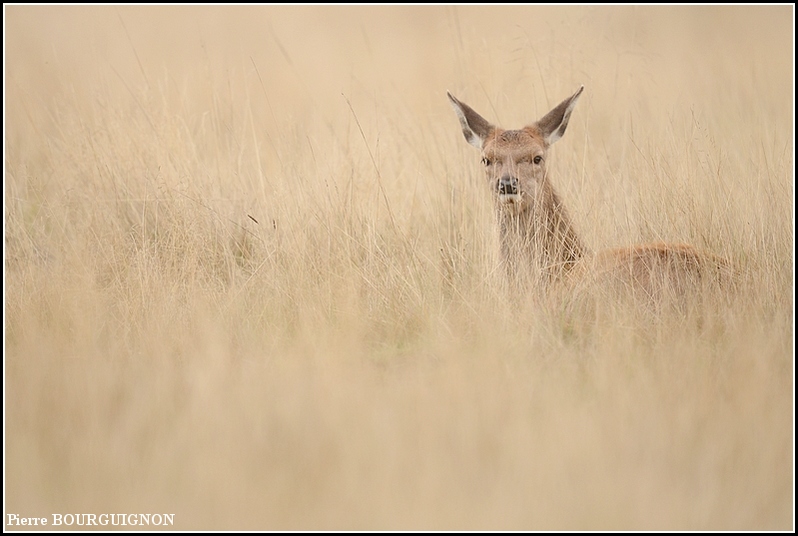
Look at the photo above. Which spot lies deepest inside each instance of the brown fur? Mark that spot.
(536, 232)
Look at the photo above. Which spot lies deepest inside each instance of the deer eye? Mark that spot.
(538, 159)
(486, 161)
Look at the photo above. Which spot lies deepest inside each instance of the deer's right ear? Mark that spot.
(475, 128)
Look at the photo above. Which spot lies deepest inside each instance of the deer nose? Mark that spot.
(508, 185)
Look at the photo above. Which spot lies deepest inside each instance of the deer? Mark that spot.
(536, 234)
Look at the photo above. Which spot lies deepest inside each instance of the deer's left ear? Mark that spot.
(552, 125)
(475, 128)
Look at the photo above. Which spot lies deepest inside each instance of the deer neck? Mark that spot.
(540, 235)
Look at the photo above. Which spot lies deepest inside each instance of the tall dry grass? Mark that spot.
(252, 274)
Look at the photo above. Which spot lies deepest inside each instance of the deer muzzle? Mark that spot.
(507, 188)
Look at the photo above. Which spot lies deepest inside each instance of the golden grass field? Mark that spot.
(252, 274)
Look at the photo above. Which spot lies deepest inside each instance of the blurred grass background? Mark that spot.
(252, 274)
